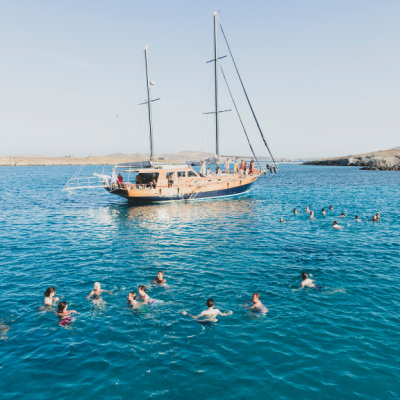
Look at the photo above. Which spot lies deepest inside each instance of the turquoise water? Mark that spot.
(340, 343)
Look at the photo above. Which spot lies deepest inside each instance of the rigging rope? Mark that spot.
(240, 119)
(247, 97)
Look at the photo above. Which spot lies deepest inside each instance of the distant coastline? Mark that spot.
(41, 160)
(384, 160)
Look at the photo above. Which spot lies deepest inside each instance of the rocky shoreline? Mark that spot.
(385, 160)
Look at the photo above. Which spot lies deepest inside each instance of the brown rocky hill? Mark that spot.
(386, 160)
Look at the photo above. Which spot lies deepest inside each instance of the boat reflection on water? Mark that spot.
(183, 215)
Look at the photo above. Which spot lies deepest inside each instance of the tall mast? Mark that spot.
(216, 89)
(149, 105)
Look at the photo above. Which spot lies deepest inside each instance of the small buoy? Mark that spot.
(152, 83)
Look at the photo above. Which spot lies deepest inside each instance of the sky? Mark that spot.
(323, 77)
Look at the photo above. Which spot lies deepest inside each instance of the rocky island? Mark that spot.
(384, 160)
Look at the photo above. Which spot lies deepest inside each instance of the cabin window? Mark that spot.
(181, 174)
(194, 181)
(192, 174)
(219, 179)
(200, 181)
(210, 180)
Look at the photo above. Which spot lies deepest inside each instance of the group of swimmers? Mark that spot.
(375, 218)
(206, 317)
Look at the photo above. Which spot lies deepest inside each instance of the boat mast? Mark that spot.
(149, 104)
(216, 91)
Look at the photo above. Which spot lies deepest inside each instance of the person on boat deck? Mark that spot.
(209, 172)
(245, 170)
(251, 168)
(171, 179)
(236, 165)
(227, 166)
(242, 165)
(154, 183)
(120, 180)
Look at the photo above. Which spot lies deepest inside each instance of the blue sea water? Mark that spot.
(338, 343)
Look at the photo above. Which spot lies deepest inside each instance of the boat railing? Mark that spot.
(94, 182)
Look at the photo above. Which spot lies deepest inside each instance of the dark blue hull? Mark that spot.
(235, 191)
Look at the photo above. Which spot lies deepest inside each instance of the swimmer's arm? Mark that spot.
(107, 291)
(90, 295)
(225, 314)
(193, 316)
(73, 312)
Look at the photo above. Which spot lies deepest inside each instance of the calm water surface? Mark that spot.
(340, 343)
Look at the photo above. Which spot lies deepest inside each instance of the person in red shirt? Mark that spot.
(120, 180)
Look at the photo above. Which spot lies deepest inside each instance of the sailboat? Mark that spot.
(154, 182)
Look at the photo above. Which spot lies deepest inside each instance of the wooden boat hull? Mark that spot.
(178, 194)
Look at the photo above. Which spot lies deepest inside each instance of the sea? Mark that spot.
(339, 341)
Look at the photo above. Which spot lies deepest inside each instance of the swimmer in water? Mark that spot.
(160, 278)
(306, 280)
(132, 299)
(307, 209)
(330, 208)
(96, 292)
(295, 211)
(311, 214)
(378, 215)
(375, 218)
(49, 298)
(257, 305)
(282, 220)
(358, 219)
(144, 296)
(323, 211)
(3, 330)
(211, 313)
(62, 311)
(336, 226)
(342, 215)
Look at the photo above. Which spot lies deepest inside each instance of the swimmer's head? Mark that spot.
(142, 288)
(334, 223)
(323, 209)
(96, 285)
(282, 220)
(50, 291)
(356, 216)
(330, 207)
(256, 297)
(62, 306)
(210, 303)
(304, 275)
(132, 296)
(160, 274)
(342, 214)
(295, 210)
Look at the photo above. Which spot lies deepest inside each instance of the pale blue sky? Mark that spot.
(323, 77)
